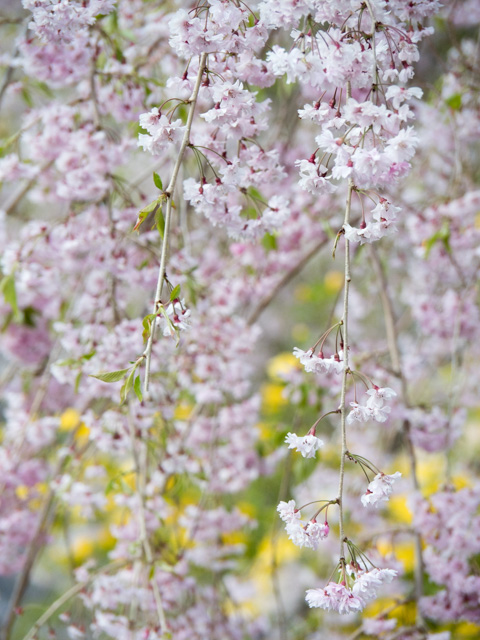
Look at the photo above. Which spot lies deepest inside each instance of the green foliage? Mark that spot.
(127, 385)
(111, 376)
(7, 287)
(442, 235)
(158, 181)
(455, 101)
(269, 242)
(147, 325)
(175, 293)
(137, 387)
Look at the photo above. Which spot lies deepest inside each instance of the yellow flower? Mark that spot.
(69, 420)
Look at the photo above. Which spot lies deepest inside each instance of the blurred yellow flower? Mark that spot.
(303, 292)
(333, 281)
(69, 420)
(281, 363)
(272, 397)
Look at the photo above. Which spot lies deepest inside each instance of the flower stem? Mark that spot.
(343, 407)
(168, 215)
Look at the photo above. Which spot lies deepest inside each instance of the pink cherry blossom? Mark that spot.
(306, 445)
(380, 489)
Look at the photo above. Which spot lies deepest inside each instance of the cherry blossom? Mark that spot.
(317, 364)
(161, 131)
(279, 135)
(380, 489)
(334, 597)
(306, 445)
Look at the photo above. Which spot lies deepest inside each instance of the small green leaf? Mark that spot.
(137, 387)
(27, 97)
(127, 386)
(175, 293)
(158, 181)
(455, 101)
(150, 207)
(119, 54)
(160, 222)
(111, 376)
(77, 381)
(442, 235)
(147, 326)
(29, 314)
(7, 286)
(67, 363)
(8, 142)
(111, 486)
(269, 242)
(153, 206)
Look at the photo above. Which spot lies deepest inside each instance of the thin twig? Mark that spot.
(11, 68)
(392, 340)
(94, 97)
(16, 197)
(169, 195)
(71, 593)
(281, 611)
(374, 45)
(343, 407)
(263, 304)
(32, 551)
(141, 474)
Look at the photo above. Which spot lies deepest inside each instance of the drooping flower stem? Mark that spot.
(168, 215)
(343, 408)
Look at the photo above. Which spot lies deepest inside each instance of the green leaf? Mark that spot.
(119, 53)
(147, 326)
(269, 242)
(67, 363)
(29, 314)
(175, 293)
(153, 206)
(77, 381)
(160, 222)
(455, 101)
(111, 486)
(8, 142)
(158, 181)
(137, 387)
(127, 386)
(442, 235)
(76, 361)
(27, 97)
(111, 376)
(7, 286)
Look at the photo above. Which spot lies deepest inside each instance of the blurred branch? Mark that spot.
(263, 304)
(32, 552)
(392, 340)
(68, 595)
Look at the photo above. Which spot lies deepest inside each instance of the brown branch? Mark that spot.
(32, 552)
(68, 595)
(263, 304)
(392, 341)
